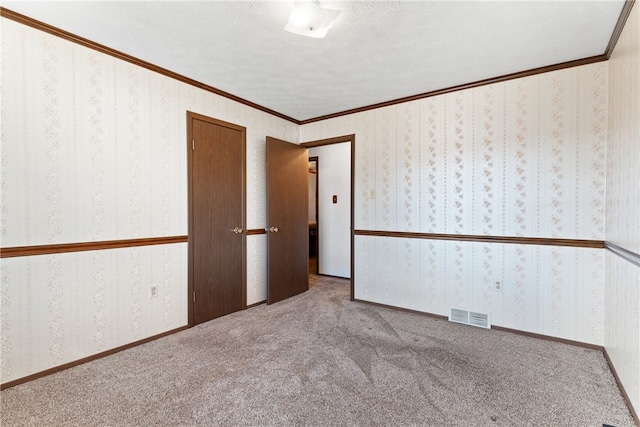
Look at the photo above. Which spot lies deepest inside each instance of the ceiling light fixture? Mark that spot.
(309, 19)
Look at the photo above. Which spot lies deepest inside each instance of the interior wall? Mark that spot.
(334, 219)
(524, 157)
(622, 278)
(94, 148)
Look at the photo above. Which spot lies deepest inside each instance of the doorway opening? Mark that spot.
(334, 206)
(313, 215)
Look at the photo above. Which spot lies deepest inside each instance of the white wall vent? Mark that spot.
(481, 320)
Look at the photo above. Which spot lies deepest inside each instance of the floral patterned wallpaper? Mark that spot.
(524, 158)
(622, 303)
(93, 149)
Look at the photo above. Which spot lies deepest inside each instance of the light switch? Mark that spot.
(335, 198)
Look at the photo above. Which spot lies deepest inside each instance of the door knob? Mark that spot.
(237, 230)
(273, 229)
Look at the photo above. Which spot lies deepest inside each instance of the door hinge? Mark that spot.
(193, 144)
(194, 296)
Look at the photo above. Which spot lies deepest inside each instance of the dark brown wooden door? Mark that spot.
(217, 241)
(287, 219)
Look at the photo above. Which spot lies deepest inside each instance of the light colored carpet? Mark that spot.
(319, 359)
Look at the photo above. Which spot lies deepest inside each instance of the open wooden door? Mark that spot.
(287, 219)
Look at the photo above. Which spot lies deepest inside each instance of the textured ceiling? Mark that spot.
(377, 51)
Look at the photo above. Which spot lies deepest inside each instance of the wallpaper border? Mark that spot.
(623, 253)
(578, 243)
(21, 251)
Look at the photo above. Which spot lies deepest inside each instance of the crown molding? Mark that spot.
(506, 77)
(38, 25)
(622, 19)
